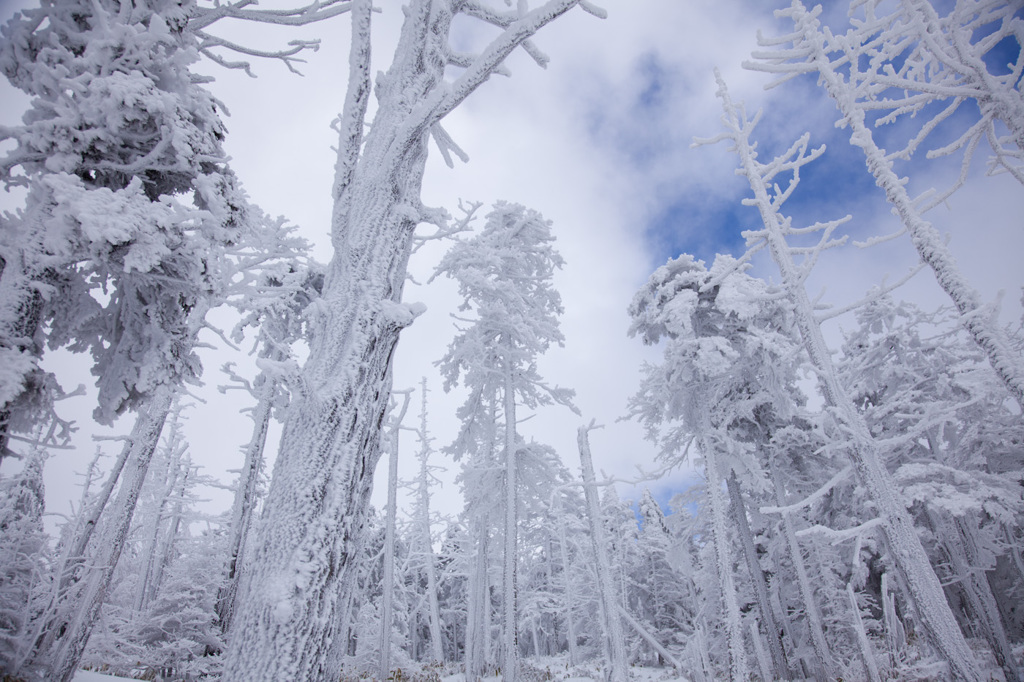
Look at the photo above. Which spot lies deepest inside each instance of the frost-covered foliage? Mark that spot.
(505, 277)
(24, 555)
(133, 229)
(725, 385)
(129, 200)
(953, 449)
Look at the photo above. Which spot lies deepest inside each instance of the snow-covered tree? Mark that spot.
(723, 329)
(330, 441)
(926, 390)
(505, 276)
(909, 556)
(23, 561)
(123, 245)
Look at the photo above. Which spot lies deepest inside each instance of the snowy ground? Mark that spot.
(555, 669)
(89, 676)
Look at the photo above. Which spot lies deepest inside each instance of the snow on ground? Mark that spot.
(90, 676)
(555, 668)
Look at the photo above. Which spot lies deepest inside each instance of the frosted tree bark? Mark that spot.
(614, 641)
(908, 553)
(510, 620)
(780, 666)
(313, 513)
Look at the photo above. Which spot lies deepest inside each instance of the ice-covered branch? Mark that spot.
(813, 497)
(286, 56)
(837, 536)
(298, 16)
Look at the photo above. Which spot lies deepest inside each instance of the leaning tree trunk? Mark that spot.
(811, 609)
(245, 502)
(764, 607)
(958, 539)
(613, 637)
(78, 609)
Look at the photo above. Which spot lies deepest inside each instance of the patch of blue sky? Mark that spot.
(700, 228)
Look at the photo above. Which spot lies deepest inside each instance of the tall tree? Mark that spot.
(505, 277)
(724, 330)
(330, 442)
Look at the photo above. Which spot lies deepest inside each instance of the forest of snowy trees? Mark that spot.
(827, 490)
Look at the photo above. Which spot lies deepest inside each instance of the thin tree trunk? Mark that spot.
(510, 638)
(614, 642)
(867, 653)
(570, 595)
(423, 514)
(391, 517)
(738, 668)
(476, 616)
(810, 603)
(650, 639)
(244, 504)
(780, 666)
(170, 460)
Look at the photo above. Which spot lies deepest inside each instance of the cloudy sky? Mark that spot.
(600, 144)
